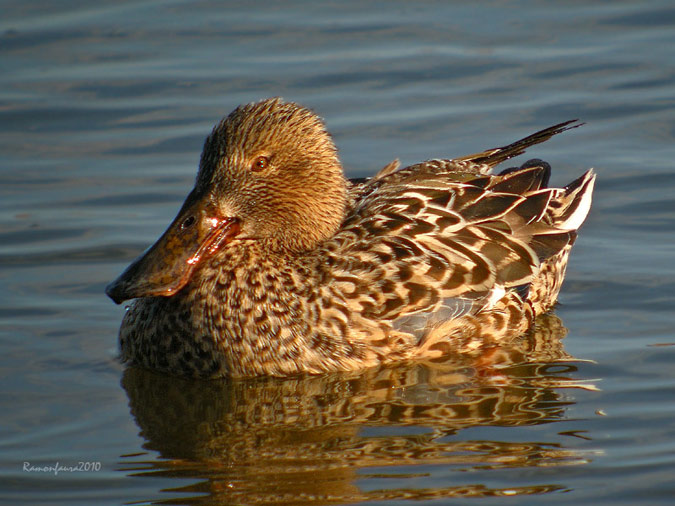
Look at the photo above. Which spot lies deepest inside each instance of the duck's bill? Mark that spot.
(167, 266)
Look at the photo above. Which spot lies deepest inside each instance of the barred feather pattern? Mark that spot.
(453, 257)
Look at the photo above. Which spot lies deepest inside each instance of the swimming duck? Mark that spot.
(276, 264)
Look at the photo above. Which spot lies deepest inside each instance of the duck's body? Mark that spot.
(278, 265)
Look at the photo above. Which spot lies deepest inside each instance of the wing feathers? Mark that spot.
(443, 236)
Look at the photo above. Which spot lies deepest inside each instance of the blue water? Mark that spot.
(103, 112)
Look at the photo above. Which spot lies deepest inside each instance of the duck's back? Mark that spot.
(444, 245)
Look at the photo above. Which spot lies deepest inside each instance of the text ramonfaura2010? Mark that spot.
(56, 468)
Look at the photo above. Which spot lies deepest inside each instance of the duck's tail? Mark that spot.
(569, 208)
(565, 213)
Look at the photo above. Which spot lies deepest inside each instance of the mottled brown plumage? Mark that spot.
(278, 265)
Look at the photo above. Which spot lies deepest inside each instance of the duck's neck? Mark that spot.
(312, 218)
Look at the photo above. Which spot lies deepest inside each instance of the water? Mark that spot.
(103, 111)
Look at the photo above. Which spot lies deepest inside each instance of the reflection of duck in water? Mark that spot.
(336, 438)
(276, 264)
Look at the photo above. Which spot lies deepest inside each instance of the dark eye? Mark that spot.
(187, 223)
(260, 163)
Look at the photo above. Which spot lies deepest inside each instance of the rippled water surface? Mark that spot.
(103, 111)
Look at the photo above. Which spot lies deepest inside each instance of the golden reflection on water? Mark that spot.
(309, 440)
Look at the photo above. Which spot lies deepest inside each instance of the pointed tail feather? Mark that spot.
(566, 212)
(574, 203)
(495, 156)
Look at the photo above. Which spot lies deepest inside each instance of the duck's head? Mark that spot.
(270, 173)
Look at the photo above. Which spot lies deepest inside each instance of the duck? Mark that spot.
(278, 265)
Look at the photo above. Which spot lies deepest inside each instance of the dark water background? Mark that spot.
(103, 111)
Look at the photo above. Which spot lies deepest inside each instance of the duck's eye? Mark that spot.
(260, 163)
(187, 223)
